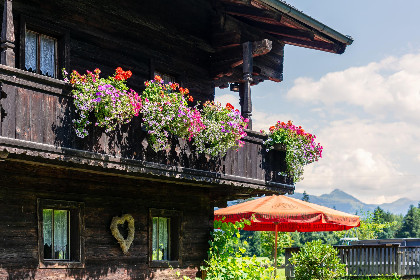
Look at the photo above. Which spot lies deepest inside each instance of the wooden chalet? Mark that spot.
(61, 196)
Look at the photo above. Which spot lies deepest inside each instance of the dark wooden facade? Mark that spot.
(104, 196)
(202, 44)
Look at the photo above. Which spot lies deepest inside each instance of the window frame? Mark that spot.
(158, 67)
(62, 37)
(39, 37)
(76, 240)
(175, 237)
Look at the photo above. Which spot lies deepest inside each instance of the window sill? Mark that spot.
(165, 264)
(61, 264)
(33, 80)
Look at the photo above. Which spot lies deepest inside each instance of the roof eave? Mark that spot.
(309, 21)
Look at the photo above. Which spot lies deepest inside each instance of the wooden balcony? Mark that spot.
(36, 115)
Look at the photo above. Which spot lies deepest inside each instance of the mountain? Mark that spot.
(345, 202)
(396, 206)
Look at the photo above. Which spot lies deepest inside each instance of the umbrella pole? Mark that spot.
(275, 254)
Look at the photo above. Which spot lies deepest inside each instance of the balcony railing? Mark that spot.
(36, 120)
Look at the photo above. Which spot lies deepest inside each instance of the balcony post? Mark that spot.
(7, 41)
(245, 89)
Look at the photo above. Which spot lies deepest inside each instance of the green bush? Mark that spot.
(317, 261)
(227, 261)
(227, 258)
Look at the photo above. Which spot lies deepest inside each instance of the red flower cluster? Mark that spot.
(229, 106)
(296, 129)
(158, 78)
(122, 75)
(184, 90)
(173, 86)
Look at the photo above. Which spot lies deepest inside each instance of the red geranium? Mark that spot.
(229, 106)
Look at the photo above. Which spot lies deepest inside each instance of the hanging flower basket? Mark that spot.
(108, 99)
(165, 109)
(300, 146)
(279, 147)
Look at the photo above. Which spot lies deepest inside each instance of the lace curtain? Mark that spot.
(47, 56)
(31, 51)
(56, 234)
(160, 242)
(40, 53)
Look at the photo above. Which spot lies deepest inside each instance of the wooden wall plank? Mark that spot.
(8, 103)
(23, 111)
(49, 115)
(36, 117)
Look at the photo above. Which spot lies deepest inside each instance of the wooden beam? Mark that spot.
(232, 57)
(236, 76)
(222, 40)
(281, 30)
(245, 89)
(7, 38)
(253, 13)
(240, 2)
(337, 48)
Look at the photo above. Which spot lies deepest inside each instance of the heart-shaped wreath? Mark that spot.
(124, 243)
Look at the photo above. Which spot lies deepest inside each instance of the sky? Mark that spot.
(363, 105)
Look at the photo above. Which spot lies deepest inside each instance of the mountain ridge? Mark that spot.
(345, 202)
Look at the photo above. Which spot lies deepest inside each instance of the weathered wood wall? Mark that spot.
(39, 110)
(141, 36)
(104, 197)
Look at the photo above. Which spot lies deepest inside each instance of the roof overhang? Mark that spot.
(239, 21)
(288, 24)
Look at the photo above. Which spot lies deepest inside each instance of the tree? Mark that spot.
(369, 228)
(284, 239)
(411, 223)
(305, 196)
(380, 216)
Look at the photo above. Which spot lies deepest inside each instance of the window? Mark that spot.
(165, 77)
(164, 237)
(60, 226)
(56, 231)
(161, 239)
(40, 53)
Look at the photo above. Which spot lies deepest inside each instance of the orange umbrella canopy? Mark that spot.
(289, 214)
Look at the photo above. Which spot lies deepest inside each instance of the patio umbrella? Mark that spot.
(286, 214)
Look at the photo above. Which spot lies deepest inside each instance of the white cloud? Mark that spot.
(368, 120)
(228, 98)
(389, 87)
(371, 142)
(359, 158)
(261, 120)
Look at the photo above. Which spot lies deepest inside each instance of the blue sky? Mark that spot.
(364, 105)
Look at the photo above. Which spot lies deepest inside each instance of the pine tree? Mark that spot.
(411, 223)
(305, 196)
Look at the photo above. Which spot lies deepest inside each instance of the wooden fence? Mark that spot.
(373, 260)
(410, 261)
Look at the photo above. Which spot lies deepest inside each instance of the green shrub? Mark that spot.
(317, 261)
(227, 261)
